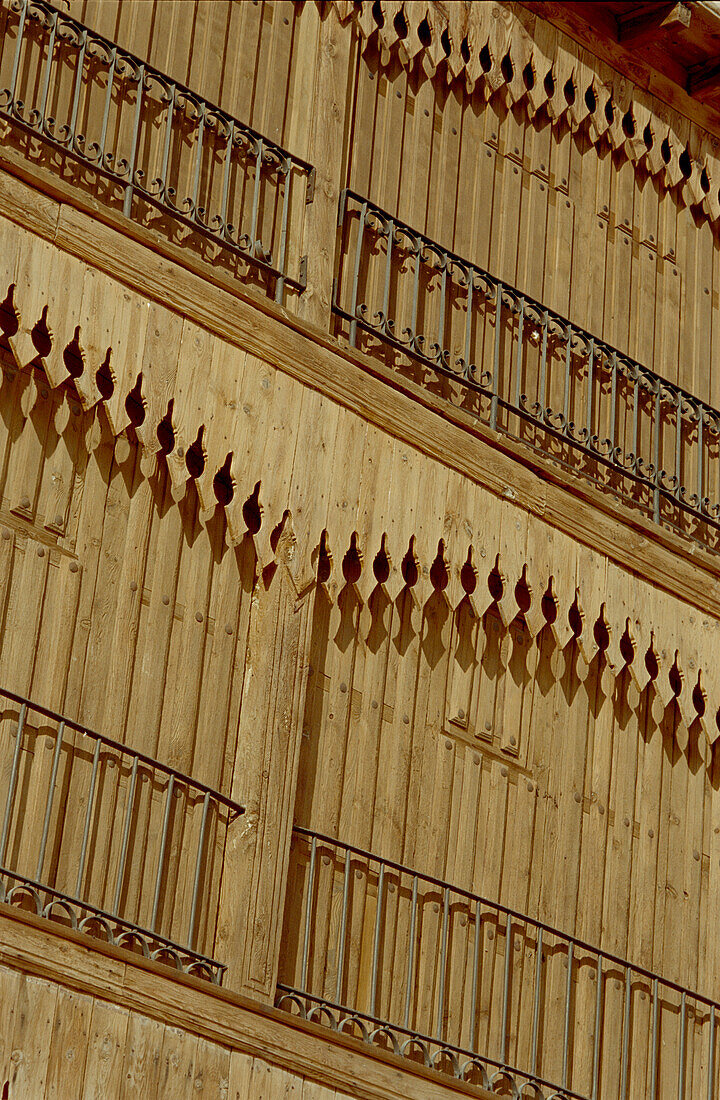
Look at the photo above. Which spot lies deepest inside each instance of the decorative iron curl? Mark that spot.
(502, 1077)
(24, 890)
(414, 1043)
(40, 14)
(474, 1065)
(94, 920)
(65, 907)
(434, 1053)
(69, 34)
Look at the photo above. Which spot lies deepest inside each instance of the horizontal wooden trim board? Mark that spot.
(37, 947)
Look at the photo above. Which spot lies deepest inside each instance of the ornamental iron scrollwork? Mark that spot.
(526, 371)
(106, 840)
(471, 988)
(164, 147)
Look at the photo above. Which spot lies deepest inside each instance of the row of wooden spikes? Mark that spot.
(487, 46)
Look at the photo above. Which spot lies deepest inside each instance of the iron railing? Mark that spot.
(475, 989)
(159, 144)
(107, 839)
(526, 371)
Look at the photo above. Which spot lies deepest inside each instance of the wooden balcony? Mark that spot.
(108, 840)
(144, 144)
(525, 371)
(428, 970)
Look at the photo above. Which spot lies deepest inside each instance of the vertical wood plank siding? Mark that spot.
(576, 224)
(483, 697)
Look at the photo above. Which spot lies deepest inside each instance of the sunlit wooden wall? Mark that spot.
(568, 220)
(55, 1041)
(547, 772)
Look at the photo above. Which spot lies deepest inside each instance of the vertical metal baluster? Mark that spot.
(536, 1008)
(226, 180)
(636, 402)
(416, 295)
(568, 361)
(49, 802)
(542, 393)
(506, 989)
(596, 1036)
(590, 382)
(48, 68)
(656, 457)
(496, 358)
(168, 139)
(388, 273)
(280, 284)
(376, 943)
(468, 322)
(161, 857)
(518, 356)
(127, 204)
(198, 166)
(256, 196)
(654, 1054)
(626, 1034)
(343, 926)
(443, 304)
(198, 868)
(473, 995)
(79, 65)
(356, 276)
(106, 109)
(681, 1067)
(701, 410)
(13, 783)
(411, 953)
(711, 1055)
(126, 836)
(613, 403)
(88, 817)
(308, 913)
(678, 442)
(443, 961)
(568, 992)
(16, 58)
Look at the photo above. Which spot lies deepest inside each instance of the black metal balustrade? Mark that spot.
(472, 988)
(108, 840)
(159, 144)
(528, 372)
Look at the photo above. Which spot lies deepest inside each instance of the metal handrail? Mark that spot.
(526, 370)
(137, 127)
(325, 992)
(31, 847)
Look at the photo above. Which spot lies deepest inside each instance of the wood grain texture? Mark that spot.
(182, 1031)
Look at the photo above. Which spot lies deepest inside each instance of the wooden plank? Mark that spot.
(68, 1046)
(106, 1051)
(10, 981)
(177, 1061)
(240, 1078)
(34, 1015)
(142, 1067)
(212, 1068)
(326, 136)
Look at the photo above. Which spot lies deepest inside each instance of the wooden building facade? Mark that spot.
(359, 549)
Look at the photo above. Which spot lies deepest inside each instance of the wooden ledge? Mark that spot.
(181, 281)
(36, 946)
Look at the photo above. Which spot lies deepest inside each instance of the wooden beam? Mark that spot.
(47, 950)
(703, 80)
(647, 21)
